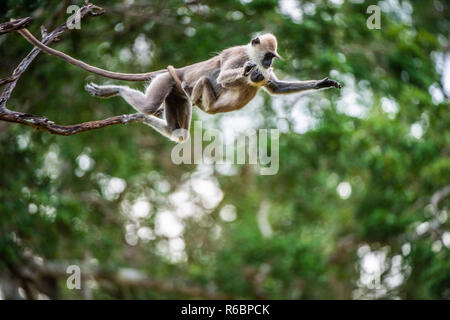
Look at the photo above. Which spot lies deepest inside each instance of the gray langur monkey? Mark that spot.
(223, 83)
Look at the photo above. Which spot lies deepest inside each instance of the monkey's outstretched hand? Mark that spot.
(327, 83)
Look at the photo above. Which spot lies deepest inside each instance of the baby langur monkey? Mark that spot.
(207, 90)
(223, 83)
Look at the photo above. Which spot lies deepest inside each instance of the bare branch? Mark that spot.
(44, 124)
(14, 25)
(23, 65)
(7, 80)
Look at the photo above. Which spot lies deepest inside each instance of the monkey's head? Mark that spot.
(262, 49)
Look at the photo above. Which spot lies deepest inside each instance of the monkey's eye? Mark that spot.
(255, 41)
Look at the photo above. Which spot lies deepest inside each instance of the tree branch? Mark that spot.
(42, 123)
(45, 125)
(14, 25)
(7, 80)
(23, 65)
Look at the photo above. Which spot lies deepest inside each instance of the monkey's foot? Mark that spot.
(101, 91)
(327, 83)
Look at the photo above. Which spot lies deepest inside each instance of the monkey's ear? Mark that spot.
(255, 41)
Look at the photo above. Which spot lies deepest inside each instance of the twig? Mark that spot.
(14, 25)
(44, 124)
(7, 80)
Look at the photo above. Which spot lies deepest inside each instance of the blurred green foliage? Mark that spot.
(57, 200)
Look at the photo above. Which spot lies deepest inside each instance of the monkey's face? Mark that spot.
(264, 49)
(267, 59)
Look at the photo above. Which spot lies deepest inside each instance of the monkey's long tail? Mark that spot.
(101, 72)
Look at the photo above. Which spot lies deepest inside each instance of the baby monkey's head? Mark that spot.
(257, 76)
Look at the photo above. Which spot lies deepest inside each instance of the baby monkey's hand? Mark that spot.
(248, 67)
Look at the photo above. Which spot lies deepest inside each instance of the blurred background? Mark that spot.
(358, 210)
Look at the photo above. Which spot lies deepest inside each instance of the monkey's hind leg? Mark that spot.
(105, 91)
(147, 103)
(177, 120)
(203, 91)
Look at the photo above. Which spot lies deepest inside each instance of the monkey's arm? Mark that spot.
(231, 78)
(275, 86)
(234, 74)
